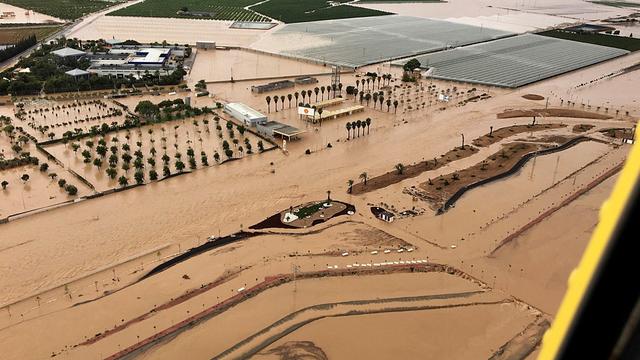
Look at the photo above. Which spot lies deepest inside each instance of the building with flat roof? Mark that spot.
(246, 114)
(276, 85)
(136, 60)
(276, 129)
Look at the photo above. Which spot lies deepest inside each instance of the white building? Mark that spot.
(244, 113)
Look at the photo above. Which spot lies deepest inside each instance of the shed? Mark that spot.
(68, 52)
(78, 73)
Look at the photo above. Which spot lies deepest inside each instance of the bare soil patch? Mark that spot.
(580, 128)
(533, 97)
(508, 131)
(410, 171)
(437, 191)
(572, 113)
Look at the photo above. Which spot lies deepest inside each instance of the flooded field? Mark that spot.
(85, 260)
(224, 65)
(24, 16)
(164, 149)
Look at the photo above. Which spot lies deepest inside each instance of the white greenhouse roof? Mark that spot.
(515, 61)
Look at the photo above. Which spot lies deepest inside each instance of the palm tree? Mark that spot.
(339, 89)
(282, 97)
(381, 100)
(364, 178)
(368, 81)
(320, 113)
(296, 95)
(289, 96)
(322, 89)
(359, 125)
(348, 130)
(268, 98)
(388, 104)
(355, 95)
(350, 185)
(275, 101)
(4, 184)
(395, 106)
(399, 168)
(368, 123)
(304, 94)
(316, 91)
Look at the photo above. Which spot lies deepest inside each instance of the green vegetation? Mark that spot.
(63, 9)
(293, 11)
(308, 210)
(197, 9)
(618, 4)
(620, 42)
(13, 34)
(19, 47)
(48, 72)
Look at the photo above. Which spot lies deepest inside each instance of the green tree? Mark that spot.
(139, 177)
(71, 190)
(399, 168)
(364, 177)
(123, 181)
(153, 175)
(350, 186)
(147, 109)
(179, 165)
(111, 172)
(62, 183)
(4, 184)
(411, 65)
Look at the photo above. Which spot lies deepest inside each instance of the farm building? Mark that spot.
(276, 85)
(276, 129)
(245, 114)
(206, 45)
(68, 53)
(122, 61)
(78, 73)
(305, 80)
(382, 214)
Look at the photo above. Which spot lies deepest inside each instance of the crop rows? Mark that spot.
(63, 9)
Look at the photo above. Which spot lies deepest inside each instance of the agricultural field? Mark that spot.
(13, 34)
(295, 11)
(620, 42)
(64, 9)
(218, 9)
(151, 152)
(49, 120)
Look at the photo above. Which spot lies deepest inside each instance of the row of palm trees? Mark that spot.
(385, 78)
(357, 125)
(337, 90)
